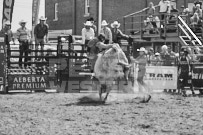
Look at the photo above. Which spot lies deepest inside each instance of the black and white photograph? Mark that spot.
(101, 67)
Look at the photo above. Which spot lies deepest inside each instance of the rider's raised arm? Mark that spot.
(123, 36)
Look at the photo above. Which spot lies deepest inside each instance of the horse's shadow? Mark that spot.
(88, 101)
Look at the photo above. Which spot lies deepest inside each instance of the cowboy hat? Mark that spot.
(42, 18)
(142, 49)
(88, 23)
(115, 23)
(104, 23)
(7, 22)
(22, 21)
(157, 54)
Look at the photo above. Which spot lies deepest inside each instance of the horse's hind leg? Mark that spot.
(100, 93)
(126, 74)
(108, 89)
(106, 96)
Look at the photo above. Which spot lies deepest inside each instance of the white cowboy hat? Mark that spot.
(42, 18)
(88, 23)
(115, 23)
(142, 49)
(198, 5)
(7, 22)
(22, 21)
(104, 23)
(164, 47)
(157, 54)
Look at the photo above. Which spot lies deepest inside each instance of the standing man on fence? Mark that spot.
(87, 35)
(23, 36)
(41, 36)
(117, 35)
(8, 38)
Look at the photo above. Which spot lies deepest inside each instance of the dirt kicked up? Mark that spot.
(62, 114)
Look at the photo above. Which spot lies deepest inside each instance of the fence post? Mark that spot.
(3, 64)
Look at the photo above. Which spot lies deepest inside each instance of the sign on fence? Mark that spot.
(163, 77)
(28, 82)
(197, 75)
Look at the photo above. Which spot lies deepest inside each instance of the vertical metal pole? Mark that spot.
(74, 17)
(99, 16)
(124, 25)
(132, 19)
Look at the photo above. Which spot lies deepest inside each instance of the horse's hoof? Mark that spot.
(126, 83)
(148, 99)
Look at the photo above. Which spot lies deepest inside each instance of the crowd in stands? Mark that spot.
(167, 10)
(166, 57)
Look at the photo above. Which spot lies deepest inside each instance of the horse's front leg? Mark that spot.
(100, 93)
(126, 74)
(106, 96)
(108, 89)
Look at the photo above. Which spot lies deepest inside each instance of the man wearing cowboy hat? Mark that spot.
(107, 32)
(87, 34)
(41, 34)
(94, 27)
(185, 69)
(8, 37)
(141, 60)
(23, 35)
(117, 34)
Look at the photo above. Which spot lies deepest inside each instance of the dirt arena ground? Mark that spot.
(63, 114)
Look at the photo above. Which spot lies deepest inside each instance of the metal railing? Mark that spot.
(184, 28)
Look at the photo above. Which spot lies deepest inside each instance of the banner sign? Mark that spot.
(28, 82)
(7, 11)
(162, 77)
(197, 75)
(35, 11)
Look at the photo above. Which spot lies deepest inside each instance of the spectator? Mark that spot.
(171, 53)
(141, 60)
(174, 15)
(94, 27)
(152, 24)
(24, 37)
(41, 36)
(198, 11)
(157, 60)
(8, 38)
(194, 20)
(87, 34)
(196, 56)
(182, 9)
(150, 57)
(196, 2)
(186, 11)
(174, 10)
(117, 34)
(151, 9)
(185, 69)
(164, 7)
(165, 56)
(107, 32)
